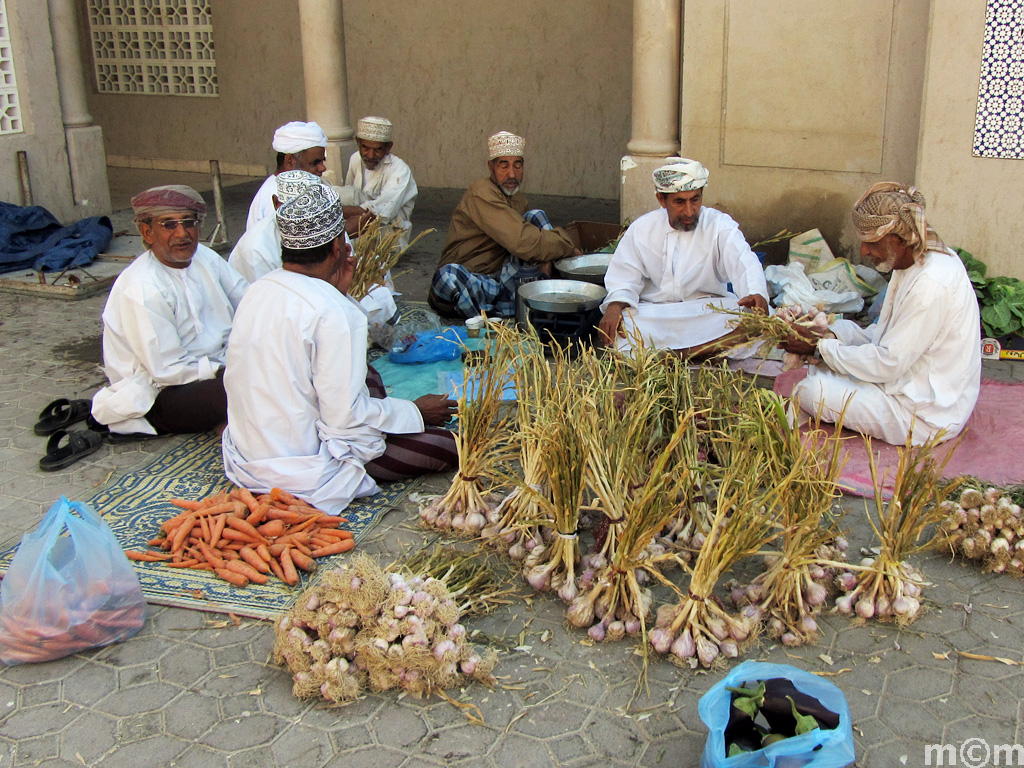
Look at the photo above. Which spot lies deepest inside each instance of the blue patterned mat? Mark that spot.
(190, 467)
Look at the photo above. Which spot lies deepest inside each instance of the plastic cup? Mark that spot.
(473, 326)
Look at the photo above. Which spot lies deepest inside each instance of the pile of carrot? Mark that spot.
(24, 640)
(244, 538)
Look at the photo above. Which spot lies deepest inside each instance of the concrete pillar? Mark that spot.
(655, 115)
(322, 27)
(87, 160)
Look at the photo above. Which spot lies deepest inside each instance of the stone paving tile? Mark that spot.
(519, 752)
(93, 735)
(200, 756)
(368, 757)
(33, 751)
(153, 752)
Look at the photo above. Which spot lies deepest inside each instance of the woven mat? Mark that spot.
(135, 502)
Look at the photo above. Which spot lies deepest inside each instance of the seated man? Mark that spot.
(920, 365)
(305, 412)
(300, 147)
(490, 236)
(166, 324)
(384, 180)
(258, 250)
(672, 265)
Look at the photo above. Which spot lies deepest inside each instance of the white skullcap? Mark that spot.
(374, 129)
(505, 144)
(296, 136)
(291, 184)
(313, 218)
(680, 175)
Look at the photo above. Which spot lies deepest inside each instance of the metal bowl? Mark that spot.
(561, 295)
(590, 267)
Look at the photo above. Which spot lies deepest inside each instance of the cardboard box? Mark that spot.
(1009, 347)
(592, 236)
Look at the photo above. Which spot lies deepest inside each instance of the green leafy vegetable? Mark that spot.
(1001, 299)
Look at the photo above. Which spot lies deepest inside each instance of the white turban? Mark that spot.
(374, 129)
(505, 144)
(680, 175)
(294, 137)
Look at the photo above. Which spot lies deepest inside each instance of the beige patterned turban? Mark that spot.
(291, 184)
(505, 144)
(680, 175)
(892, 208)
(313, 218)
(172, 198)
(374, 129)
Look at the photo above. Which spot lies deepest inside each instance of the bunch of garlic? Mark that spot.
(987, 527)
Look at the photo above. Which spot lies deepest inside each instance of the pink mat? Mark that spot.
(989, 449)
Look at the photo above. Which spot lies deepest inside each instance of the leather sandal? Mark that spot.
(79, 444)
(61, 414)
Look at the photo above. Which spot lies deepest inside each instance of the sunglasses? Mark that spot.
(172, 224)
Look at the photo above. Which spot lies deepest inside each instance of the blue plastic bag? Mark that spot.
(432, 346)
(832, 748)
(69, 587)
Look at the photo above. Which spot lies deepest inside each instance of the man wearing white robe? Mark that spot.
(919, 366)
(385, 181)
(300, 413)
(166, 324)
(299, 146)
(673, 264)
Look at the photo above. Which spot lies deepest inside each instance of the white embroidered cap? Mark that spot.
(505, 144)
(680, 175)
(291, 184)
(313, 218)
(374, 129)
(296, 136)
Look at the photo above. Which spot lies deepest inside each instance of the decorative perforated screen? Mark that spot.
(156, 47)
(10, 111)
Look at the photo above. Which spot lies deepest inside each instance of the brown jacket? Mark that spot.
(487, 226)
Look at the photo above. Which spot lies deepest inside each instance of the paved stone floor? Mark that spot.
(196, 690)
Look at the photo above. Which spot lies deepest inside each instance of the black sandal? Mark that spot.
(61, 414)
(79, 444)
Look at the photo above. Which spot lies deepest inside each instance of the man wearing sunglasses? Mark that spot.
(166, 325)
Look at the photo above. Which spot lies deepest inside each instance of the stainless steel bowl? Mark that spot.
(590, 267)
(563, 296)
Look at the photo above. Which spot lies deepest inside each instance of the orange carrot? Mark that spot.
(246, 497)
(146, 557)
(241, 525)
(235, 535)
(291, 576)
(275, 566)
(182, 532)
(190, 563)
(283, 514)
(186, 504)
(211, 555)
(249, 555)
(264, 551)
(304, 562)
(243, 568)
(335, 549)
(217, 529)
(258, 515)
(204, 524)
(331, 533)
(157, 542)
(272, 528)
(231, 576)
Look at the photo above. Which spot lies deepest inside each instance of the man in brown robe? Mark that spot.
(492, 236)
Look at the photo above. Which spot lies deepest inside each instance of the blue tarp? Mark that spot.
(32, 238)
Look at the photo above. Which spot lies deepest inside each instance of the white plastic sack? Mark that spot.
(790, 285)
(810, 250)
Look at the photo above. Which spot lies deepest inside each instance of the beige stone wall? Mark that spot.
(43, 134)
(448, 74)
(797, 109)
(973, 202)
(259, 72)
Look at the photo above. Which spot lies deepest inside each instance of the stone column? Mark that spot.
(87, 159)
(322, 27)
(656, 90)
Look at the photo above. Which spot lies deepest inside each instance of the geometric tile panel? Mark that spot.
(999, 124)
(10, 111)
(158, 47)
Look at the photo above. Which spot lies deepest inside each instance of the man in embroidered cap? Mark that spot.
(383, 180)
(673, 264)
(316, 420)
(166, 325)
(300, 147)
(491, 237)
(919, 366)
